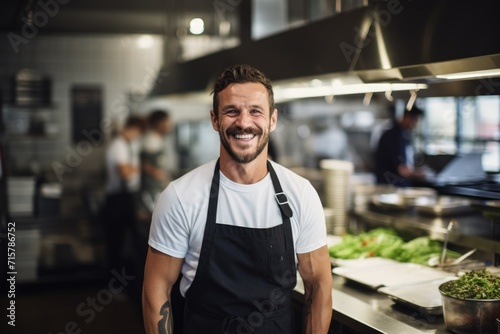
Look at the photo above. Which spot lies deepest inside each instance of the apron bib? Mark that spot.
(245, 276)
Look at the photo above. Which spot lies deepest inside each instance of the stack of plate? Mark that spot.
(336, 175)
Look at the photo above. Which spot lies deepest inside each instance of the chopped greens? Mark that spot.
(480, 284)
(384, 242)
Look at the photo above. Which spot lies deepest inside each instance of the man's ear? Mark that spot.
(214, 119)
(274, 119)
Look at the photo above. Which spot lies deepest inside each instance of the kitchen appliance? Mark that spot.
(462, 169)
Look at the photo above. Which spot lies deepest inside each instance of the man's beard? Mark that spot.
(249, 157)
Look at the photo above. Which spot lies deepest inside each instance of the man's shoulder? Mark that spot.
(201, 174)
(393, 132)
(117, 141)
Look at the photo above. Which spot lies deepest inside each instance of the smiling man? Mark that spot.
(238, 229)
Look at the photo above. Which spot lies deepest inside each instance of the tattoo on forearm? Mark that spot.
(165, 325)
(307, 312)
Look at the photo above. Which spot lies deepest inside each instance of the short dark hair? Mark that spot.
(241, 74)
(134, 121)
(156, 117)
(414, 112)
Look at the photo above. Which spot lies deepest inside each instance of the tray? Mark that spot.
(402, 198)
(423, 297)
(443, 205)
(489, 208)
(389, 275)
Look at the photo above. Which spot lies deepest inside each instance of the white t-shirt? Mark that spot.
(180, 214)
(121, 152)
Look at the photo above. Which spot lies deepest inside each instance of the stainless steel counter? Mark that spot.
(365, 311)
(360, 310)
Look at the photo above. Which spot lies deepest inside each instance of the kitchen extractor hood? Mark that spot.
(395, 41)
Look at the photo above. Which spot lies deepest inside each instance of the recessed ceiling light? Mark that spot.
(145, 42)
(196, 26)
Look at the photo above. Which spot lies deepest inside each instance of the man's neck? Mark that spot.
(248, 173)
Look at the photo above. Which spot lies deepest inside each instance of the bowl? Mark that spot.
(469, 315)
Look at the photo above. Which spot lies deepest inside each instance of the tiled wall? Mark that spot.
(113, 61)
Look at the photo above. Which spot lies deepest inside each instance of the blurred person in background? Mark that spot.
(123, 183)
(394, 154)
(155, 176)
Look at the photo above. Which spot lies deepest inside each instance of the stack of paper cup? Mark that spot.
(336, 175)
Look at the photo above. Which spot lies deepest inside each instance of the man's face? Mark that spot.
(134, 133)
(410, 122)
(165, 127)
(244, 120)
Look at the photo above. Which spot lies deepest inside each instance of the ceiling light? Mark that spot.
(470, 75)
(145, 42)
(292, 93)
(196, 26)
(316, 83)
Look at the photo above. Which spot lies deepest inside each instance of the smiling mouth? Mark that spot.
(248, 136)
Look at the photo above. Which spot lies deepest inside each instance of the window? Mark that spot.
(461, 125)
(439, 126)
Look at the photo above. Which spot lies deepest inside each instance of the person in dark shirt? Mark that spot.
(394, 154)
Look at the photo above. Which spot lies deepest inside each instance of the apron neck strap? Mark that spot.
(279, 194)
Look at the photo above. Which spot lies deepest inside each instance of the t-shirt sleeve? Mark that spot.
(312, 225)
(120, 153)
(169, 231)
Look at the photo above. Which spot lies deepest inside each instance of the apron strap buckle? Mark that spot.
(283, 204)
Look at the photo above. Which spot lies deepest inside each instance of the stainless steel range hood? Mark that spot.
(392, 41)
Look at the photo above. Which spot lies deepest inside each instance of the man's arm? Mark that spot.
(154, 172)
(314, 268)
(160, 274)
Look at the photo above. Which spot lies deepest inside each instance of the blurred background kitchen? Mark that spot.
(71, 72)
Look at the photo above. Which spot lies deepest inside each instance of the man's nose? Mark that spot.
(244, 119)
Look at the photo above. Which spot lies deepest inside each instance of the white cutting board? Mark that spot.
(389, 275)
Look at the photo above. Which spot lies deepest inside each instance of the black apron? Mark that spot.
(245, 276)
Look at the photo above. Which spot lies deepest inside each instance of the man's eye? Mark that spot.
(255, 111)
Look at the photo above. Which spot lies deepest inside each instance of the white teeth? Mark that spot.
(248, 136)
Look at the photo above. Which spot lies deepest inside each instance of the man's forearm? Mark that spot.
(166, 323)
(317, 309)
(158, 319)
